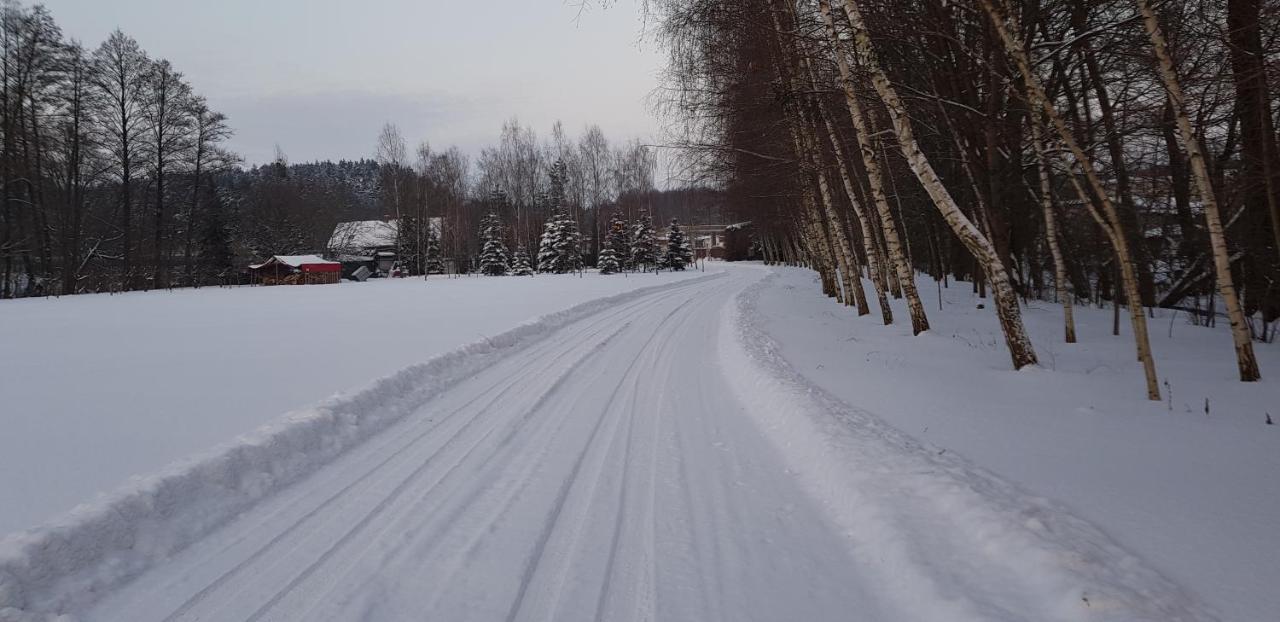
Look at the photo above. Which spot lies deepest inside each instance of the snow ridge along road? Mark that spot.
(951, 541)
(650, 461)
(71, 561)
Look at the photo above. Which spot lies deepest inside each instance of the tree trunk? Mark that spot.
(1051, 232)
(874, 258)
(906, 280)
(1261, 153)
(1111, 225)
(1245, 359)
(1021, 351)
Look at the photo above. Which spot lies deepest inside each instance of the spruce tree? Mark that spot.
(568, 246)
(618, 238)
(608, 261)
(560, 249)
(520, 265)
(547, 245)
(679, 253)
(493, 256)
(433, 263)
(644, 244)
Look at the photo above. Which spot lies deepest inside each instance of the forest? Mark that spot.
(117, 176)
(1113, 152)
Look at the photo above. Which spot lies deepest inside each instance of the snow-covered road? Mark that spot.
(604, 473)
(653, 460)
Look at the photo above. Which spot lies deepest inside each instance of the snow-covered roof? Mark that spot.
(294, 261)
(362, 235)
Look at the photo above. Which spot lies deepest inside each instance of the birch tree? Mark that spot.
(1245, 359)
(1021, 351)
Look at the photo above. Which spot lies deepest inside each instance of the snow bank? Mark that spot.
(948, 540)
(100, 545)
(95, 389)
(1190, 490)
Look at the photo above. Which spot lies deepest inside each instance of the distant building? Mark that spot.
(368, 243)
(371, 244)
(708, 240)
(296, 270)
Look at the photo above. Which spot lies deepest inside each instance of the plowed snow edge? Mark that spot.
(942, 538)
(97, 546)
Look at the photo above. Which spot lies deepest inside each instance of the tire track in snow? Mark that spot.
(509, 384)
(546, 601)
(553, 519)
(543, 395)
(575, 479)
(643, 586)
(597, 323)
(529, 412)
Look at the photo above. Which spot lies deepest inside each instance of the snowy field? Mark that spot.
(95, 389)
(734, 446)
(1196, 494)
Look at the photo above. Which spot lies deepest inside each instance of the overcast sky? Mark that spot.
(320, 77)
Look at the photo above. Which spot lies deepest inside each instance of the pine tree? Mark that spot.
(644, 244)
(568, 246)
(560, 249)
(679, 253)
(547, 244)
(433, 263)
(619, 239)
(608, 261)
(520, 265)
(493, 256)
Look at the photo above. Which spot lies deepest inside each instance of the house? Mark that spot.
(296, 270)
(368, 243)
(371, 243)
(708, 240)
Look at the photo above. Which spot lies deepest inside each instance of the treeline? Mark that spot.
(519, 184)
(624, 245)
(106, 163)
(115, 177)
(1081, 150)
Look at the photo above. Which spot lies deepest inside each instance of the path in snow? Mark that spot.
(637, 465)
(604, 473)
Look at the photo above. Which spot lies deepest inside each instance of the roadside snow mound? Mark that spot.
(945, 539)
(100, 545)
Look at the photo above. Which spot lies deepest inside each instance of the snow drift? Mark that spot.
(101, 545)
(951, 540)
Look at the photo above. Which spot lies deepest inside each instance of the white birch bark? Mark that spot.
(1051, 232)
(1021, 351)
(1039, 99)
(872, 249)
(1245, 359)
(905, 278)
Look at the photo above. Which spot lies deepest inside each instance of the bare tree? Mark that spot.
(1245, 359)
(120, 75)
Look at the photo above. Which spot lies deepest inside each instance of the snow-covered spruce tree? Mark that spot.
(547, 244)
(493, 255)
(560, 249)
(433, 263)
(568, 246)
(644, 244)
(679, 253)
(618, 237)
(520, 265)
(608, 261)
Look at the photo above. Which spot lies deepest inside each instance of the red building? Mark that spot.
(296, 270)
